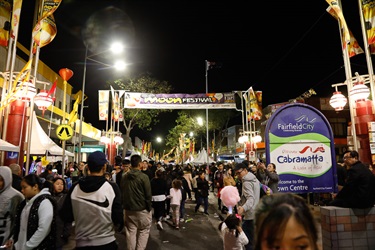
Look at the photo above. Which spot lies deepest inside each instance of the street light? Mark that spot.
(116, 48)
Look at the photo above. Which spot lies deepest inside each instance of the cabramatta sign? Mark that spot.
(180, 101)
(299, 140)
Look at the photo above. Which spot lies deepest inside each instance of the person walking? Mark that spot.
(159, 190)
(184, 187)
(219, 183)
(248, 201)
(202, 191)
(9, 200)
(94, 204)
(136, 199)
(35, 224)
(175, 195)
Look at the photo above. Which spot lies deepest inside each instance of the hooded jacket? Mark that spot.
(136, 187)
(250, 195)
(95, 205)
(9, 200)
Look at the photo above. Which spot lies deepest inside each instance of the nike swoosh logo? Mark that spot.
(100, 204)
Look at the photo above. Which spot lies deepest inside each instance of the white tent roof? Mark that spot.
(6, 146)
(202, 157)
(40, 142)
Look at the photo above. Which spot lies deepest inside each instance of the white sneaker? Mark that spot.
(182, 220)
(160, 225)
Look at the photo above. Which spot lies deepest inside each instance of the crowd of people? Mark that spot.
(127, 197)
(133, 194)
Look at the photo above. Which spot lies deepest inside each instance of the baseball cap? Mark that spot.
(96, 158)
(238, 166)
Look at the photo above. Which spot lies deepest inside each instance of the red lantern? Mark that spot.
(66, 74)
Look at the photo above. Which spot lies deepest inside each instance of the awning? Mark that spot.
(41, 143)
(6, 146)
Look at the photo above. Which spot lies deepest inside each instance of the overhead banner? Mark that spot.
(179, 101)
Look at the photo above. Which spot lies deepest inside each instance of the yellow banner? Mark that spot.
(345, 31)
(369, 16)
(45, 30)
(5, 7)
(353, 47)
(17, 4)
(103, 105)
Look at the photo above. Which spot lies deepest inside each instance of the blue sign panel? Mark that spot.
(299, 140)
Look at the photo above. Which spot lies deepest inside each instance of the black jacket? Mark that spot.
(358, 191)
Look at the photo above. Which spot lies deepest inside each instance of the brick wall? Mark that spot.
(347, 228)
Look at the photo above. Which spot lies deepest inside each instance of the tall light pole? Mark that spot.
(116, 48)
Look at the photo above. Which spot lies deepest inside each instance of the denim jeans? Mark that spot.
(201, 200)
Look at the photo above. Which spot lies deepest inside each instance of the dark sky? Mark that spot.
(282, 48)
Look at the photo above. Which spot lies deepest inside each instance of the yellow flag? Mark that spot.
(345, 30)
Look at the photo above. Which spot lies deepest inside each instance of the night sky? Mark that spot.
(282, 48)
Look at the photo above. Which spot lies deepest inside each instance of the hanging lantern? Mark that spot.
(243, 139)
(25, 91)
(65, 74)
(118, 140)
(359, 91)
(256, 139)
(338, 101)
(43, 100)
(104, 139)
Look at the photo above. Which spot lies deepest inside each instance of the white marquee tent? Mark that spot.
(6, 146)
(41, 143)
(202, 158)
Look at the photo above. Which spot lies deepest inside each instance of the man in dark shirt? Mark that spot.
(358, 190)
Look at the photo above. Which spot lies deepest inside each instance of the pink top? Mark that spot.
(176, 196)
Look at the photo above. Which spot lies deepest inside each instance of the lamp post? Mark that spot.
(116, 48)
(200, 123)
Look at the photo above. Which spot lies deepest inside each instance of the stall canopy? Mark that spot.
(41, 143)
(202, 158)
(6, 146)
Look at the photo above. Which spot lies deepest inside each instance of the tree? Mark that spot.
(218, 120)
(143, 118)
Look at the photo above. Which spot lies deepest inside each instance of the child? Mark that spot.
(35, 220)
(63, 229)
(176, 197)
(234, 237)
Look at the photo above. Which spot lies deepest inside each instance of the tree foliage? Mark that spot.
(187, 122)
(143, 118)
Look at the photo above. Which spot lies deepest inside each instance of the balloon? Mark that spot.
(230, 196)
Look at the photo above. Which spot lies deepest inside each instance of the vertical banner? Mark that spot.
(103, 105)
(353, 48)
(255, 104)
(15, 23)
(45, 29)
(5, 8)
(368, 8)
(337, 9)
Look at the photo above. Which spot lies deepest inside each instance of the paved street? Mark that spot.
(201, 232)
